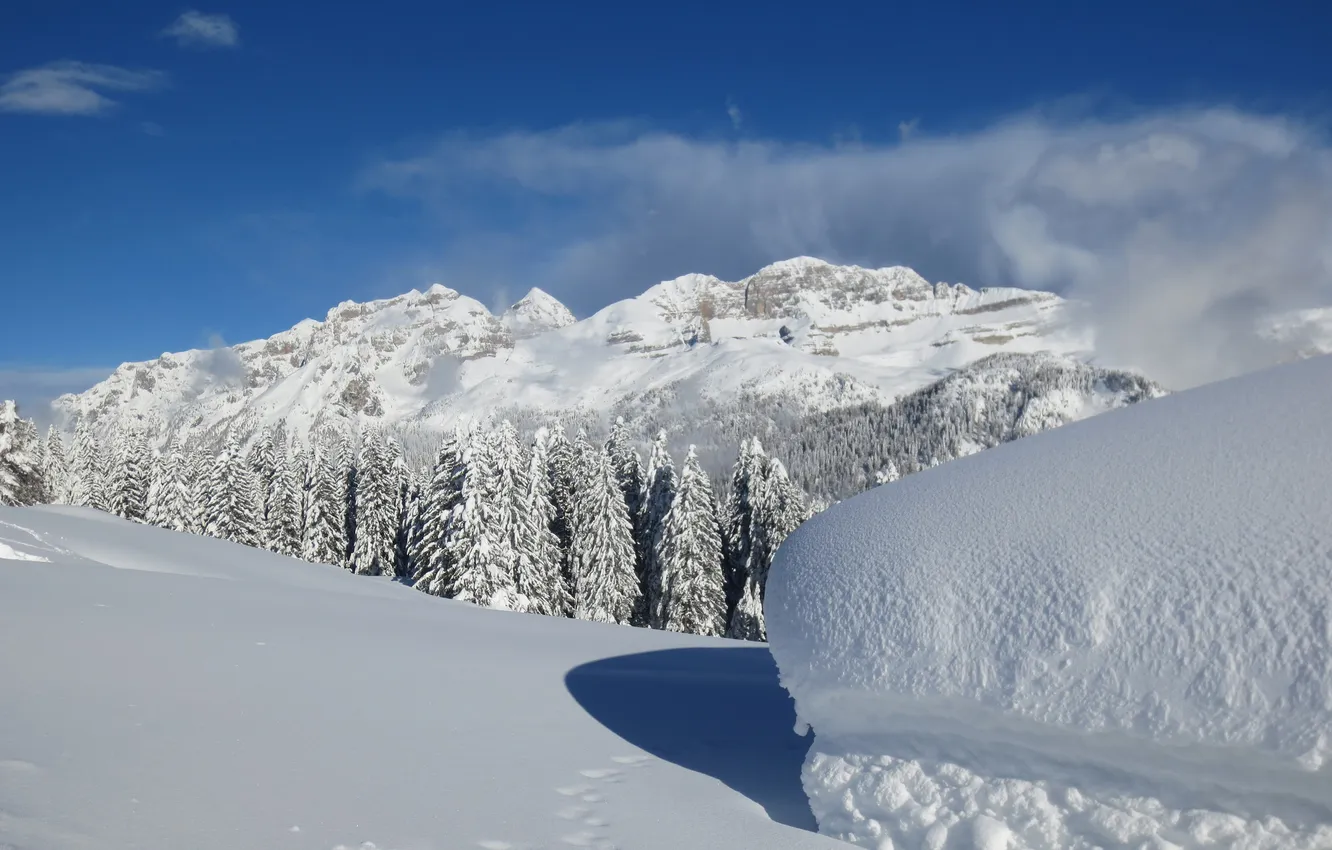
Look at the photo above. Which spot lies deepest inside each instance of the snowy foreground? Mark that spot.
(161, 690)
(1114, 634)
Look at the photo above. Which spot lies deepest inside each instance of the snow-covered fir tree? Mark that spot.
(130, 478)
(378, 502)
(480, 558)
(659, 493)
(55, 468)
(345, 461)
(434, 572)
(560, 471)
(282, 526)
(170, 501)
(688, 594)
(264, 462)
(87, 469)
(778, 509)
(198, 467)
(20, 468)
(299, 460)
(739, 519)
(516, 532)
(606, 587)
(586, 462)
(628, 466)
(233, 499)
(540, 578)
(411, 528)
(325, 539)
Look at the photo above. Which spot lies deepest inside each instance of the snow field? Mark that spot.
(275, 703)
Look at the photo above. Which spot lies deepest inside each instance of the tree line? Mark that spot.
(544, 525)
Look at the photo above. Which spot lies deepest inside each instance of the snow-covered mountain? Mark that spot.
(803, 334)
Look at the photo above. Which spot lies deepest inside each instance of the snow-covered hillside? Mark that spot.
(1114, 634)
(164, 691)
(801, 333)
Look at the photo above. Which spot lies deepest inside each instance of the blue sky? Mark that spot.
(174, 177)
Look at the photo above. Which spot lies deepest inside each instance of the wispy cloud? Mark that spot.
(907, 129)
(733, 112)
(72, 88)
(34, 388)
(1178, 228)
(197, 29)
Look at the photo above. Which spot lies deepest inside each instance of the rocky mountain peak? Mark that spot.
(536, 312)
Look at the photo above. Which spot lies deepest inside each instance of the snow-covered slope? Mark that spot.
(814, 335)
(1000, 398)
(165, 691)
(1114, 634)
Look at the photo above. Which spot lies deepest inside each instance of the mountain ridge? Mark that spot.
(789, 331)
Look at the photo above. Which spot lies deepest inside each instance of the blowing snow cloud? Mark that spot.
(1177, 230)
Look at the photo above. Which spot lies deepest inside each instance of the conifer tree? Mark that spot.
(411, 529)
(325, 540)
(87, 469)
(233, 501)
(688, 595)
(282, 532)
(561, 473)
(344, 459)
(55, 469)
(378, 497)
(586, 462)
(300, 474)
(444, 492)
(627, 464)
(540, 578)
(659, 494)
(739, 519)
(156, 481)
(32, 437)
(606, 588)
(198, 468)
(171, 501)
(264, 462)
(20, 469)
(130, 480)
(476, 546)
(515, 534)
(778, 509)
(378, 501)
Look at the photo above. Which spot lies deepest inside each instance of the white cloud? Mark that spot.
(34, 388)
(196, 29)
(72, 88)
(1178, 229)
(733, 112)
(907, 129)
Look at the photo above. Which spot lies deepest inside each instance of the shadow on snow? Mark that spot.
(715, 711)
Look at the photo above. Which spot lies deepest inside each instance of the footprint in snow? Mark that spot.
(588, 839)
(600, 773)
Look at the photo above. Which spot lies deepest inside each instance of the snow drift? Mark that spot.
(161, 690)
(1113, 634)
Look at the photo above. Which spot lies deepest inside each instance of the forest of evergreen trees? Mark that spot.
(575, 528)
(545, 525)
